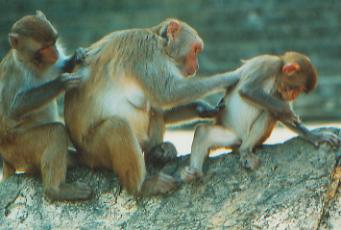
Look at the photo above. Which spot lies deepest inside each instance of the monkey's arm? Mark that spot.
(34, 98)
(253, 89)
(278, 108)
(315, 139)
(173, 90)
(198, 109)
(77, 58)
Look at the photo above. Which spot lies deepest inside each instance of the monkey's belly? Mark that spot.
(137, 118)
(245, 119)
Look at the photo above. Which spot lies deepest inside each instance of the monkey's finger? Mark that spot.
(328, 141)
(167, 183)
(335, 140)
(73, 84)
(332, 140)
(73, 79)
(74, 76)
(65, 75)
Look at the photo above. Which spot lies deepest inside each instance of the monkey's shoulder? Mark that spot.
(259, 69)
(262, 62)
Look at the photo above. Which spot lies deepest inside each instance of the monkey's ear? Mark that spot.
(13, 39)
(40, 15)
(291, 68)
(173, 28)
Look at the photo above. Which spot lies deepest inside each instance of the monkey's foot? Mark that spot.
(250, 161)
(72, 192)
(163, 154)
(158, 185)
(189, 174)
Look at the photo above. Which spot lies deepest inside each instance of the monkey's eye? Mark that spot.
(37, 55)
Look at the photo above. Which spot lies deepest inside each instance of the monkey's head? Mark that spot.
(298, 75)
(183, 45)
(34, 39)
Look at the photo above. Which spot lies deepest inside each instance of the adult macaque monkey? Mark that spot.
(131, 72)
(31, 137)
(268, 84)
(158, 152)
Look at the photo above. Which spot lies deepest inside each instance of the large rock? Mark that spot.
(293, 189)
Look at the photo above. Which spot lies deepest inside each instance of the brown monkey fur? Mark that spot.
(130, 72)
(268, 84)
(32, 139)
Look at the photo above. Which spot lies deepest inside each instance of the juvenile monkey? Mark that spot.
(158, 152)
(268, 84)
(130, 72)
(31, 137)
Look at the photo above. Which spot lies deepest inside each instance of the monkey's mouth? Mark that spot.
(290, 94)
(190, 72)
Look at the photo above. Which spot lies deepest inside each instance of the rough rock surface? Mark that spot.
(297, 187)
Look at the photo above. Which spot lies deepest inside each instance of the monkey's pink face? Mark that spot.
(48, 54)
(191, 61)
(290, 88)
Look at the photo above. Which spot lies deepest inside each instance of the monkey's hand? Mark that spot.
(79, 56)
(221, 104)
(204, 112)
(70, 81)
(324, 137)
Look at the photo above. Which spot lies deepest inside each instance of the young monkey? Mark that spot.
(268, 84)
(31, 137)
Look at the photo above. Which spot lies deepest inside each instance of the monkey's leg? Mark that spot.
(205, 138)
(7, 170)
(157, 152)
(115, 137)
(73, 157)
(46, 147)
(258, 133)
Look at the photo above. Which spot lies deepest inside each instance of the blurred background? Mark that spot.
(232, 30)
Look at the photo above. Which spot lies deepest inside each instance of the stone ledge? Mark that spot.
(289, 191)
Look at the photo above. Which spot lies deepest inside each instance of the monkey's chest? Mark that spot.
(244, 118)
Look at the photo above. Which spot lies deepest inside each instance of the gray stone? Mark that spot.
(289, 191)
